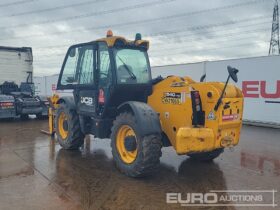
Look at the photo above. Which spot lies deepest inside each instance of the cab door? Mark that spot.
(105, 77)
(79, 74)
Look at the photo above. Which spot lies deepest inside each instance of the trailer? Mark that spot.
(16, 85)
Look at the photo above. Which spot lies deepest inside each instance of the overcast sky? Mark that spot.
(180, 31)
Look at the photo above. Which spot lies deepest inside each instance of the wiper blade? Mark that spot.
(132, 75)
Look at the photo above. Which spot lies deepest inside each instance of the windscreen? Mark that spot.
(132, 66)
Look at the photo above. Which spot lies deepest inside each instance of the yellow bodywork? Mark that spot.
(222, 127)
(53, 106)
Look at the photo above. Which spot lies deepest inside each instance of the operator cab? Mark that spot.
(106, 73)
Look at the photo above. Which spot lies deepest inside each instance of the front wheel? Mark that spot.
(207, 156)
(68, 130)
(134, 155)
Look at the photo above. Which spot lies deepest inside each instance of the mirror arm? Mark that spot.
(222, 95)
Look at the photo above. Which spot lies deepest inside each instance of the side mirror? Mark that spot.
(202, 78)
(233, 73)
(70, 80)
(72, 52)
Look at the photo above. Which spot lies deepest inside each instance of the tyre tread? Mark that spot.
(148, 156)
(76, 135)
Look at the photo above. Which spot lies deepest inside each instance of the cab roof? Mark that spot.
(119, 40)
(112, 41)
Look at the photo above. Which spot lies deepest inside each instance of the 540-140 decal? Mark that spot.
(173, 98)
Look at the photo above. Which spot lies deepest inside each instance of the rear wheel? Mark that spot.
(68, 130)
(135, 155)
(207, 156)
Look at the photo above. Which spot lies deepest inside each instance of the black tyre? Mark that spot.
(24, 116)
(207, 156)
(134, 155)
(68, 130)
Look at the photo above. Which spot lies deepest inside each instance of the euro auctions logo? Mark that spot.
(261, 89)
(245, 198)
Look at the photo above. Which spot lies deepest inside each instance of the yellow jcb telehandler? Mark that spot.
(115, 97)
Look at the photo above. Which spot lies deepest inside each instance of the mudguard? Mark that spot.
(69, 100)
(146, 117)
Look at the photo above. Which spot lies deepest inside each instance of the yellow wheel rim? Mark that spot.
(123, 132)
(62, 119)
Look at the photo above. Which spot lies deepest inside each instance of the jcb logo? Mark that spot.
(87, 100)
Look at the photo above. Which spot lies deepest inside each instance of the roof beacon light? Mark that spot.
(138, 36)
(109, 33)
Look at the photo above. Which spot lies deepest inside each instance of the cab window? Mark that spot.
(79, 66)
(104, 65)
(86, 75)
